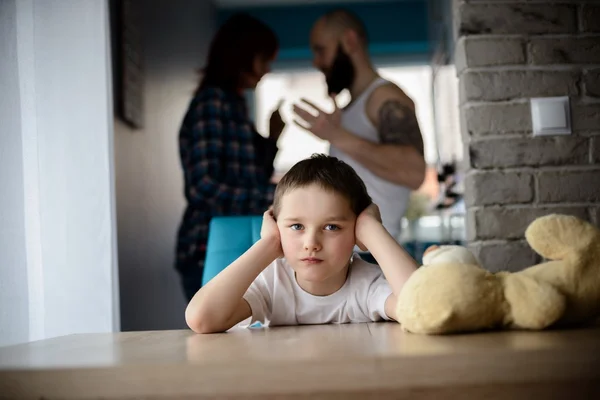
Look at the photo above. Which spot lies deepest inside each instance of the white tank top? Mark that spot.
(391, 198)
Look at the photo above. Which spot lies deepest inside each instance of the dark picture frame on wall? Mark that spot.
(127, 53)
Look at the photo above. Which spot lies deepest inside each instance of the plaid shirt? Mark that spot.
(227, 166)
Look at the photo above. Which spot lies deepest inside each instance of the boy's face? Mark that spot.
(317, 233)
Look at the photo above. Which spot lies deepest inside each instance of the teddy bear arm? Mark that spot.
(532, 304)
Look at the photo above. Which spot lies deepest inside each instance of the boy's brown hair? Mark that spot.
(329, 173)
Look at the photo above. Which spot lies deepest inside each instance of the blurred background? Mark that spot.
(409, 44)
(93, 94)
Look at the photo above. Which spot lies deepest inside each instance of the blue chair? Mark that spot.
(229, 238)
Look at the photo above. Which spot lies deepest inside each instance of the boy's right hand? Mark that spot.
(269, 231)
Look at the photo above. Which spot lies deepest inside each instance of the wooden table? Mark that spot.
(358, 361)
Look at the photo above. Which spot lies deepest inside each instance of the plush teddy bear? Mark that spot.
(452, 293)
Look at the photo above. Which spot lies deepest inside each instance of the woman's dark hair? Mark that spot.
(233, 49)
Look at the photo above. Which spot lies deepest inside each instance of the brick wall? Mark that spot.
(506, 53)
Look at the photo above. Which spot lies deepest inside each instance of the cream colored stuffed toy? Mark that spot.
(452, 293)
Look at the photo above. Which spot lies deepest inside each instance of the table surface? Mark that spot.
(354, 361)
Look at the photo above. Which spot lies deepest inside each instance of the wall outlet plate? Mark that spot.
(550, 116)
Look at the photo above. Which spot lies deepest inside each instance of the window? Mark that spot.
(297, 144)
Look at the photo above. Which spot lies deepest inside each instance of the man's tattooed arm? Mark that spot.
(398, 157)
(398, 125)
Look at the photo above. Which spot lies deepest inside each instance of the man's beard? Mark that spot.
(340, 75)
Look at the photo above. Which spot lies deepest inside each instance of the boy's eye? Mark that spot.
(296, 227)
(331, 227)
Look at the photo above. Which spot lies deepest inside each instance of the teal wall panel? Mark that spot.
(395, 28)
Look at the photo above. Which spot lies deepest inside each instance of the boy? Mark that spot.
(302, 270)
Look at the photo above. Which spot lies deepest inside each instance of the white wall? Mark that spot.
(14, 308)
(150, 201)
(57, 254)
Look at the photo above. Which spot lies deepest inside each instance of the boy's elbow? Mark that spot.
(199, 322)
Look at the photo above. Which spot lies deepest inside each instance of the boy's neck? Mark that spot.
(325, 288)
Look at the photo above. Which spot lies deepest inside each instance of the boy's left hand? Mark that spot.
(367, 217)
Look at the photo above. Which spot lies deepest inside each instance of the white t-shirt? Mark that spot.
(276, 298)
(392, 199)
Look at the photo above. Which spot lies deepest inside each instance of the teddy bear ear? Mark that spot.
(533, 304)
(555, 236)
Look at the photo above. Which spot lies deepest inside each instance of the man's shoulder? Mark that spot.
(389, 91)
(385, 94)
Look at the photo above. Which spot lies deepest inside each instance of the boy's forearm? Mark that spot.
(219, 298)
(396, 264)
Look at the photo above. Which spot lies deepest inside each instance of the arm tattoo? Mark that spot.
(398, 125)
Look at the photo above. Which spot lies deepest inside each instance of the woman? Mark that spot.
(227, 165)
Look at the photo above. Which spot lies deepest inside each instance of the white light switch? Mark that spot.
(551, 116)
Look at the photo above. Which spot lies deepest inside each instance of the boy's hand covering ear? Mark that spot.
(269, 230)
(369, 214)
